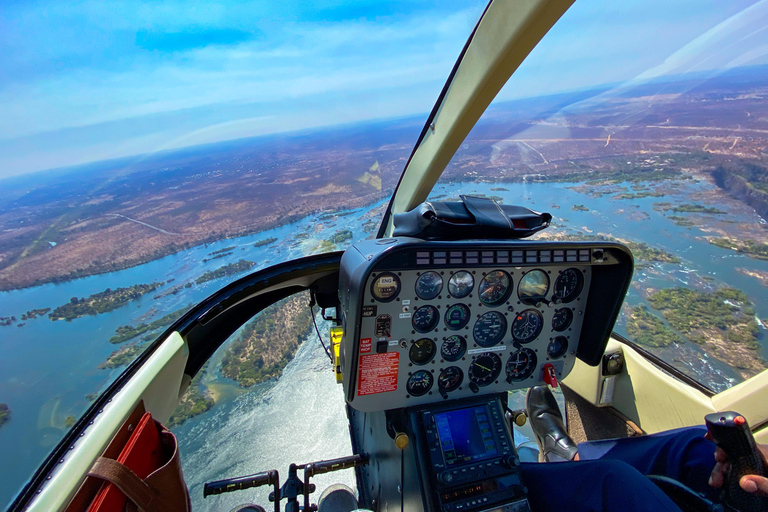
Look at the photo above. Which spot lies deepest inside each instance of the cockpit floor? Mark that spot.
(586, 422)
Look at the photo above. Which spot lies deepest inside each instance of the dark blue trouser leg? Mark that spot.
(682, 454)
(592, 486)
(613, 479)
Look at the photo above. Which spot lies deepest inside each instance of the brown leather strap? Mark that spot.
(127, 481)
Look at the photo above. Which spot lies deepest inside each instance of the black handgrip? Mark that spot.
(240, 483)
(730, 431)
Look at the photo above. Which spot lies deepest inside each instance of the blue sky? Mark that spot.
(84, 81)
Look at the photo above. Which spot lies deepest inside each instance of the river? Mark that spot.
(47, 368)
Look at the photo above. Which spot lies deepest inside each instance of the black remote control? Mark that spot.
(730, 431)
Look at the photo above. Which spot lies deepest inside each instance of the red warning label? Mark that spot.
(365, 344)
(378, 373)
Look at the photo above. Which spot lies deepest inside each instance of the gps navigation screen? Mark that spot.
(465, 435)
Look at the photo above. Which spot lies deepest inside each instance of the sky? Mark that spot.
(83, 81)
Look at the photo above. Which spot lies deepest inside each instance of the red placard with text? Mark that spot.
(378, 373)
(365, 345)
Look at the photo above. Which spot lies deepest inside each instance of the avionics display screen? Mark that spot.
(466, 435)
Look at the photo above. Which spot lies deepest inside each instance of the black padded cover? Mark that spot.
(471, 218)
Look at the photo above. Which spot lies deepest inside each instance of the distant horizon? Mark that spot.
(85, 83)
(419, 119)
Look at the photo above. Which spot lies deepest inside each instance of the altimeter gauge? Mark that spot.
(569, 284)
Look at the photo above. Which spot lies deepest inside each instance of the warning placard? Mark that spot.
(378, 373)
(365, 344)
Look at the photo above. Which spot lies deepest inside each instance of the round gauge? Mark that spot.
(557, 347)
(460, 284)
(490, 329)
(453, 348)
(485, 368)
(422, 351)
(494, 288)
(425, 318)
(533, 285)
(562, 319)
(520, 365)
(429, 285)
(569, 284)
(419, 383)
(457, 317)
(527, 325)
(385, 287)
(450, 378)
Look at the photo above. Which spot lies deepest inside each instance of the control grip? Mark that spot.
(730, 431)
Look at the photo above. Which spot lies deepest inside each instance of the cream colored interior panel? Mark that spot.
(651, 398)
(162, 372)
(749, 398)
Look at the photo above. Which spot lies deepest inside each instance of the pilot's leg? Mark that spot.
(682, 454)
(592, 486)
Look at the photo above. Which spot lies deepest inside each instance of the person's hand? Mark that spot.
(754, 484)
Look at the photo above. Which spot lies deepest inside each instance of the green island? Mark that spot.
(6, 321)
(266, 241)
(499, 189)
(222, 251)
(101, 302)
(123, 355)
(697, 208)
(124, 333)
(723, 321)
(195, 401)
(751, 248)
(647, 329)
(5, 414)
(680, 220)
(34, 313)
(370, 226)
(226, 270)
(341, 236)
(269, 342)
(579, 208)
(220, 255)
(639, 195)
(332, 215)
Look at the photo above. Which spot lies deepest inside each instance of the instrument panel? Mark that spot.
(436, 321)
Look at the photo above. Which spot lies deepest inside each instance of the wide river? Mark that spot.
(47, 368)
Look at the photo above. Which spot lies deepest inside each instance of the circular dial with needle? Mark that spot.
(568, 284)
(490, 329)
(494, 288)
(450, 378)
(485, 368)
(520, 365)
(419, 383)
(425, 318)
(422, 351)
(429, 285)
(527, 325)
(562, 319)
(457, 316)
(453, 348)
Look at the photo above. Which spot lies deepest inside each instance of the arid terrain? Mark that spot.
(62, 224)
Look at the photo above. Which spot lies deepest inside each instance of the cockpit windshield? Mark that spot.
(651, 131)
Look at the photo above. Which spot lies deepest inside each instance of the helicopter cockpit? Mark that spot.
(436, 333)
